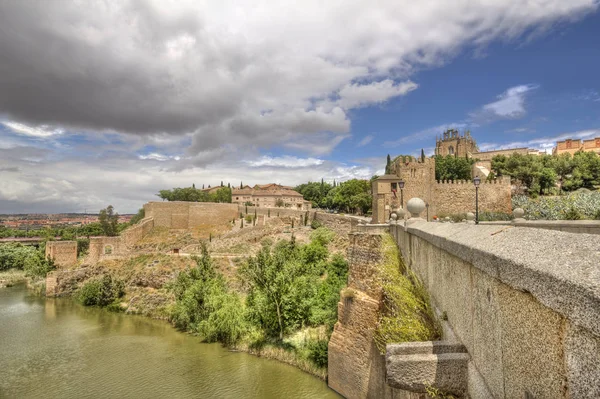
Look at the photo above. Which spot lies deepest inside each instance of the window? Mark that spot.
(569, 143)
(237, 198)
(450, 150)
(394, 186)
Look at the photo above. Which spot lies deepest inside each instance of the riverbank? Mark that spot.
(56, 348)
(11, 277)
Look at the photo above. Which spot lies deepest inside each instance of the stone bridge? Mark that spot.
(520, 309)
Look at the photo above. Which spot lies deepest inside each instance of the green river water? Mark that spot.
(55, 348)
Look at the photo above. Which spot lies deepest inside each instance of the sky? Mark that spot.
(109, 102)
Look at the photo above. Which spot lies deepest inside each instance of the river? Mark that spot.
(56, 348)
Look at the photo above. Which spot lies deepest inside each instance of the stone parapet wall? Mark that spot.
(64, 253)
(526, 306)
(568, 226)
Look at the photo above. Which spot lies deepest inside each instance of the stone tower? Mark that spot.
(453, 143)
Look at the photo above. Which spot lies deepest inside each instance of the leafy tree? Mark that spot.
(314, 192)
(452, 168)
(350, 196)
(109, 221)
(138, 216)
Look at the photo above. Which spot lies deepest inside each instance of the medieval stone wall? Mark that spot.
(105, 247)
(136, 232)
(188, 215)
(459, 197)
(64, 253)
(442, 198)
(341, 224)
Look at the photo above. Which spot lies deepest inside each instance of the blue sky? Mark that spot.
(98, 111)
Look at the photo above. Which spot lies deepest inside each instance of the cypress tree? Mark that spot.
(203, 187)
(241, 185)
(221, 183)
(388, 164)
(194, 185)
(422, 155)
(228, 185)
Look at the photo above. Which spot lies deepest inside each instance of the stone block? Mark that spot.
(532, 347)
(582, 353)
(414, 366)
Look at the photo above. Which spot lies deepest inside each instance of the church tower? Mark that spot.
(453, 143)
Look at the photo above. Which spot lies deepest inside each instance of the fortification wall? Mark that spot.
(526, 307)
(64, 253)
(355, 365)
(341, 224)
(105, 247)
(189, 215)
(459, 197)
(136, 232)
(273, 211)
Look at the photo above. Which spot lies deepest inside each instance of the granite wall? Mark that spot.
(525, 305)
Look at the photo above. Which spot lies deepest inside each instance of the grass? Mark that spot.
(407, 314)
(10, 277)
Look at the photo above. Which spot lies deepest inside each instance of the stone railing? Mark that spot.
(524, 303)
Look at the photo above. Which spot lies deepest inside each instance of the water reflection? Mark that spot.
(55, 348)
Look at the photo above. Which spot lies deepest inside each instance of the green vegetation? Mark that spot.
(407, 314)
(451, 167)
(581, 204)
(137, 217)
(541, 174)
(289, 288)
(27, 258)
(102, 292)
(193, 194)
(109, 221)
(350, 196)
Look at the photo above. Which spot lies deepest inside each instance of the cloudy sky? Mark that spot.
(107, 102)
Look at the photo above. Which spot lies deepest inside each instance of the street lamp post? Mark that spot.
(401, 185)
(476, 182)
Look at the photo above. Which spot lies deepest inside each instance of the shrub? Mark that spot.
(597, 214)
(37, 266)
(407, 313)
(101, 292)
(315, 224)
(573, 214)
(317, 352)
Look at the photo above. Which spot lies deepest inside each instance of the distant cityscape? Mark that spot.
(37, 221)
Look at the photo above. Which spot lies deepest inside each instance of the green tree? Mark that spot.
(109, 221)
(452, 168)
(388, 165)
(138, 216)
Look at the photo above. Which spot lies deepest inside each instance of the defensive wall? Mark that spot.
(525, 306)
(64, 253)
(442, 197)
(188, 215)
(521, 311)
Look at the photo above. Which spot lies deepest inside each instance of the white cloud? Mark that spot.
(509, 105)
(159, 157)
(42, 131)
(542, 143)
(425, 134)
(360, 95)
(365, 140)
(211, 69)
(285, 162)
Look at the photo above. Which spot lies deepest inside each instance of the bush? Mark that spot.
(317, 352)
(573, 214)
(597, 215)
(586, 203)
(101, 292)
(38, 266)
(315, 224)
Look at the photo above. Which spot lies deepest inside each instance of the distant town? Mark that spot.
(37, 221)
